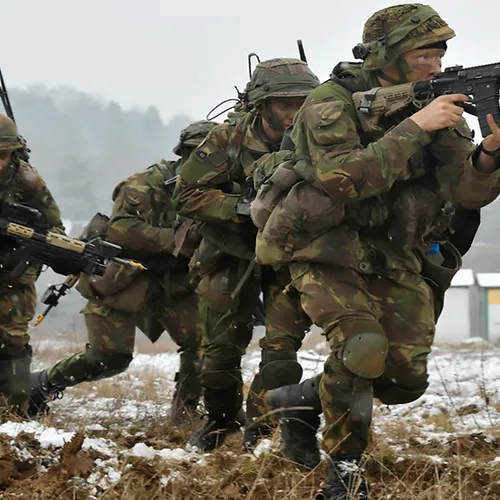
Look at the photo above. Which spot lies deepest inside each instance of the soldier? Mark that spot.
(369, 281)
(214, 187)
(158, 299)
(20, 183)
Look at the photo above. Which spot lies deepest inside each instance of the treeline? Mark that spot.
(84, 146)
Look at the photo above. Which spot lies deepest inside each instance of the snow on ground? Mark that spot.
(464, 386)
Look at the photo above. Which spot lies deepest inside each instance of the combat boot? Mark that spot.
(187, 388)
(15, 380)
(346, 480)
(298, 408)
(42, 392)
(223, 399)
(276, 369)
(214, 431)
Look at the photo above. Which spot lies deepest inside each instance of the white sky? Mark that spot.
(184, 57)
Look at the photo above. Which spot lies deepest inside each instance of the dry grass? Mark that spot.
(402, 463)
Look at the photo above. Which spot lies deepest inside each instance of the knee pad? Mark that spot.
(220, 373)
(106, 364)
(364, 354)
(279, 368)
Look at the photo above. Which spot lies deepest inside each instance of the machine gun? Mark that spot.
(481, 83)
(63, 254)
(68, 256)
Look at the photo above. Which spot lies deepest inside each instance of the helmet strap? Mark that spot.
(270, 118)
(403, 71)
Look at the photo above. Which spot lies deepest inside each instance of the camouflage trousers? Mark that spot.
(111, 337)
(17, 308)
(380, 330)
(228, 298)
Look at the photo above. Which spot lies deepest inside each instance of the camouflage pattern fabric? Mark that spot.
(398, 29)
(212, 181)
(141, 222)
(111, 335)
(20, 183)
(344, 304)
(211, 184)
(367, 293)
(17, 308)
(367, 173)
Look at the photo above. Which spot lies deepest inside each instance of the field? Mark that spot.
(112, 439)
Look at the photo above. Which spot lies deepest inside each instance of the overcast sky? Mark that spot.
(184, 57)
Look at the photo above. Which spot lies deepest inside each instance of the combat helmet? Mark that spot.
(193, 135)
(395, 30)
(279, 77)
(9, 138)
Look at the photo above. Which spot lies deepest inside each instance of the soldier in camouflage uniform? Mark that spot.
(214, 188)
(364, 277)
(155, 300)
(20, 183)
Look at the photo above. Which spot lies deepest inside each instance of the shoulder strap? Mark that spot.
(342, 76)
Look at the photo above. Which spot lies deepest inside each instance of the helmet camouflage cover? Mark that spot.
(280, 78)
(396, 30)
(193, 135)
(9, 138)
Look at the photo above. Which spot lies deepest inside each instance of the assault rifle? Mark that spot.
(63, 254)
(481, 83)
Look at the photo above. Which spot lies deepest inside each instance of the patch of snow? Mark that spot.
(143, 450)
(95, 427)
(475, 341)
(264, 447)
(174, 454)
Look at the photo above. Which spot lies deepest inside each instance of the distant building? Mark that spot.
(463, 313)
(490, 284)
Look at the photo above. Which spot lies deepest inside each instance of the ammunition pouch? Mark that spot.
(206, 258)
(303, 215)
(116, 277)
(123, 288)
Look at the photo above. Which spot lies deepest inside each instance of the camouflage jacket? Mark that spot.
(142, 217)
(217, 176)
(365, 173)
(23, 184)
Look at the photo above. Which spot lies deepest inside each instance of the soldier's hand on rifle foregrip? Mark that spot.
(441, 113)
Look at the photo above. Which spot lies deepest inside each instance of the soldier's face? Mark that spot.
(424, 63)
(5, 157)
(284, 109)
(186, 153)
